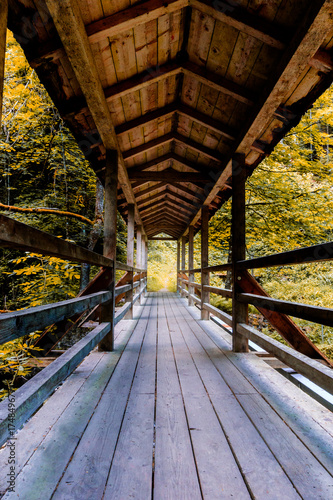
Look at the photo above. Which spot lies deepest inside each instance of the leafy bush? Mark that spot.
(14, 357)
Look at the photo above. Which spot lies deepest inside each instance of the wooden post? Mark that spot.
(3, 32)
(110, 240)
(190, 264)
(178, 264)
(139, 252)
(130, 256)
(130, 236)
(204, 260)
(139, 247)
(239, 311)
(145, 254)
(183, 263)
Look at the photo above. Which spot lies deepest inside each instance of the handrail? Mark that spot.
(310, 368)
(219, 291)
(316, 253)
(14, 234)
(211, 269)
(125, 267)
(16, 324)
(31, 395)
(316, 314)
(248, 291)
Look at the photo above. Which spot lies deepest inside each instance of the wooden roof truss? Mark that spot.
(177, 88)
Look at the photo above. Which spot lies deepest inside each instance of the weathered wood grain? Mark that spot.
(175, 472)
(315, 253)
(310, 368)
(14, 325)
(323, 315)
(131, 470)
(224, 384)
(14, 234)
(227, 318)
(214, 479)
(88, 470)
(40, 424)
(30, 397)
(310, 421)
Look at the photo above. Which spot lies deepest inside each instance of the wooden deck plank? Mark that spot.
(304, 471)
(308, 419)
(312, 422)
(285, 422)
(209, 424)
(47, 463)
(245, 441)
(47, 415)
(210, 444)
(41, 474)
(131, 470)
(175, 471)
(88, 469)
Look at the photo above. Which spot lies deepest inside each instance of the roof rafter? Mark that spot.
(182, 109)
(161, 223)
(151, 198)
(155, 74)
(312, 31)
(197, 194)
(69, 24)
(182, 198)
(170, 174)
(167, 211)
(167, 138)
(150, 189)
(166, 202)
(167, 230)
(138, 14)
(151, 163)
(198, 167)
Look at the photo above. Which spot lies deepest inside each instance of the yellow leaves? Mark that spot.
(44, 280)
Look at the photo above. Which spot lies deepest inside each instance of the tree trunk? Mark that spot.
(95, 232)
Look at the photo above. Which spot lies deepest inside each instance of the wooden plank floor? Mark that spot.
(174, 414)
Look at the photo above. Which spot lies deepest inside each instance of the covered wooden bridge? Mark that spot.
(174, 103)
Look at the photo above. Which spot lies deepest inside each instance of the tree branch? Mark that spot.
(53, 211)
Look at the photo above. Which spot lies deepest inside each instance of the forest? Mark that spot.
(46, 182)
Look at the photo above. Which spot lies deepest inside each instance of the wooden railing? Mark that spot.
(100, 296)
(303, 356)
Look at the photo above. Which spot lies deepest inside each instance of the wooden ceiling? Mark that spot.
(177, 87)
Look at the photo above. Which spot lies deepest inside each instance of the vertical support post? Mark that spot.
(3, 33)
(145, 254)
(183, 264)
(190, 264)
(205, 296)
(178, 265)
(139, 247)
(110, 240)
(130, 257)
(239, 310)
(139, 252)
